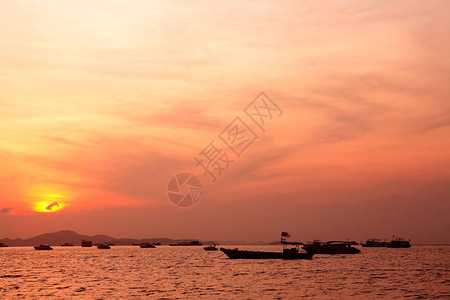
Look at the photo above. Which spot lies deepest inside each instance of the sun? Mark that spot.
(48, 203)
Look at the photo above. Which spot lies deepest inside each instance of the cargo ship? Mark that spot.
(191, 243)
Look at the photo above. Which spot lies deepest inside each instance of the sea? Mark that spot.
(124, 272)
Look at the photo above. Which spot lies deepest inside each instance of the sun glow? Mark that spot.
(48, 203)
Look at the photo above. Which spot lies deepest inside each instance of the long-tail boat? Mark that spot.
(211, 247)
(291, 250)
(147, 245)
(43, 247)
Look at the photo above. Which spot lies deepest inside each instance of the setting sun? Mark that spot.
(48, 203)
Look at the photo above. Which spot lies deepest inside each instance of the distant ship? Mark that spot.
(211, 248)
(43, 247)
(103, 246)
(398, 243)
(67, 245)
(331, 247)
(191, 243)
(374, 243)
(147, 245)
(85, 243)
(3, 245)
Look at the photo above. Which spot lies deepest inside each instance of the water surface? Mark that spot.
(421, 272)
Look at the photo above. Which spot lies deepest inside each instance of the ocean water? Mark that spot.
(421, 272)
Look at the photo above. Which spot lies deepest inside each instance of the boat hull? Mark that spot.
(103, 247)
(332, 250)
(243, 254)
(42, 248)
(210, 249)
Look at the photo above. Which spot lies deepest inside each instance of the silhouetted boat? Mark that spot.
(85, 243)
(67, 245)
(191, 243)
(147, 245)
(43, 247)
(103, 246)
(211, 248)
(374, 243)
(331, 247)
(398, 243)
(2, 245)
(288, 252)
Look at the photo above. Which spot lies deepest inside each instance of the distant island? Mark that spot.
(71, 237)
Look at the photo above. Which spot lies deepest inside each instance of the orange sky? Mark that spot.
(103, 102)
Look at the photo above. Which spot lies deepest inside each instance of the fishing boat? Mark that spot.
(191, 243)
(398, 243)
(43, 247)
(291, 250)
(331, 247)
(103, 246)
(374, 243)
(85, 243)
(211, 248)
(147, 245)
(2, 245)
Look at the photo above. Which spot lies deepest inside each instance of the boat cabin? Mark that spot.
(290, 247)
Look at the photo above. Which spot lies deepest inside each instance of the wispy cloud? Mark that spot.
(5, 210)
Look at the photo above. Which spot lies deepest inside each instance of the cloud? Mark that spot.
(186, 114)
(143, 176)
(5, 210)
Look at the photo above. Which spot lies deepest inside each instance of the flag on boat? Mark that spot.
(285, 234)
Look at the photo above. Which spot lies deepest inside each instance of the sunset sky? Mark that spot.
(102, 102)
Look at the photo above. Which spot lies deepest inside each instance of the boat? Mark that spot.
(2, 245)
(292, 253)
(147, 245)
(67, 245)
(331, 247)
(43, 247)
(85, 243)
(291, 250)
(157, 244)
(103, 246)
(374, 243)
(211, 248)
(191, 243)
(286, 254)
(398, 243)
